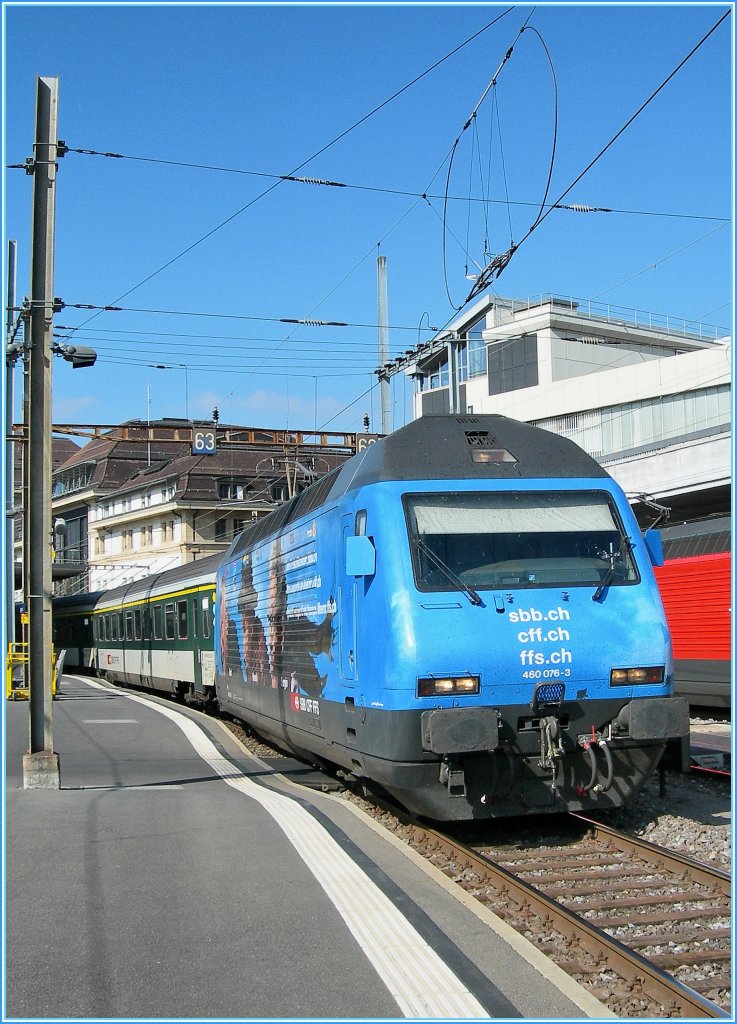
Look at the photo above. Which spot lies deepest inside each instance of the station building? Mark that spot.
(137, 500)
(648, 396)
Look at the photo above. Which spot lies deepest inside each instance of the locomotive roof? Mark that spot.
(488, 447)
(468, 448)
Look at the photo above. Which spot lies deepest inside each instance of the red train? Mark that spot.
(696, 587)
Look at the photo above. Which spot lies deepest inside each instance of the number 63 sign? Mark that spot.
(204, 442)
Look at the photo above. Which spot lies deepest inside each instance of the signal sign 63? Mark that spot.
(204, 442)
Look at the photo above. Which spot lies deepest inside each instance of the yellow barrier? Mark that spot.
(16, 671)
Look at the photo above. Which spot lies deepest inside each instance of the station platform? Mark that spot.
(174, 875)
(711, 746)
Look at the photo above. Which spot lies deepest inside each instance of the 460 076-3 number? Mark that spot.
(546, 673)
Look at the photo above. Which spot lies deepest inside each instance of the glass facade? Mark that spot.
(619, 428)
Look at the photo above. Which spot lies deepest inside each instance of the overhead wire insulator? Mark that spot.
(313, 323)
(313, 181)
(582, 208)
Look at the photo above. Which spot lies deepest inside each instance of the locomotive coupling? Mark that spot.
(590, 744)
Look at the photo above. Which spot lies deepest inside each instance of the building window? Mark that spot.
(147, 536)
(476, 350)
(127, 540)
(167, 531)
(221, 529)
(513, 365)
(438, 376)
(72, 480)
(233, 490)
(238, 526)
(462, 361)
(279, 492)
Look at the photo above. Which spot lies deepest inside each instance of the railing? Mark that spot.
(691, 329)
(16, 671)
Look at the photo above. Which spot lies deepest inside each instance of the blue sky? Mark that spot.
(260, 88)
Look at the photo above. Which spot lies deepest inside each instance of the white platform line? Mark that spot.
(110, 721)
(420, 982)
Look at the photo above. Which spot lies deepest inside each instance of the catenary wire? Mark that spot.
(483, 199)
(659, 261)
(308, 160)
(497, 266)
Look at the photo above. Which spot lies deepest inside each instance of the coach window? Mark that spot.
(137, 624)
(170, 621)
(182, 620)
(361, 523)
(113, 627)
(206, 617)
(195, 618)
(146, 623)
(121, 626)
(158, 623)
(129, 625)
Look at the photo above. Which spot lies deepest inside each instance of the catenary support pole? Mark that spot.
(386, 413)
(41, 763)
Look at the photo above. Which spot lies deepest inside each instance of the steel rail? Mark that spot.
(703, 873)
(658, 984)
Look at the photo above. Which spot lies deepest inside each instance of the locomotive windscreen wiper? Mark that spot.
(616, 558)
(446, 570)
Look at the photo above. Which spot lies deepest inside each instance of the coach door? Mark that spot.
(347, 609)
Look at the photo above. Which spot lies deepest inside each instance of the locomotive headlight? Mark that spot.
(445, 686)
(637, 676)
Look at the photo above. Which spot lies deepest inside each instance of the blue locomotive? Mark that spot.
(464, 613)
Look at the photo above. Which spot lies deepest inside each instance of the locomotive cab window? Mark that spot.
(521, 540)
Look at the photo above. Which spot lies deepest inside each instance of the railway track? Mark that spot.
(645, 929)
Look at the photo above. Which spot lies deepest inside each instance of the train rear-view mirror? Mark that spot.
(654, 545)
(360, 556)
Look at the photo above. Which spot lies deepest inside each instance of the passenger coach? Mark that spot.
(157, 632)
